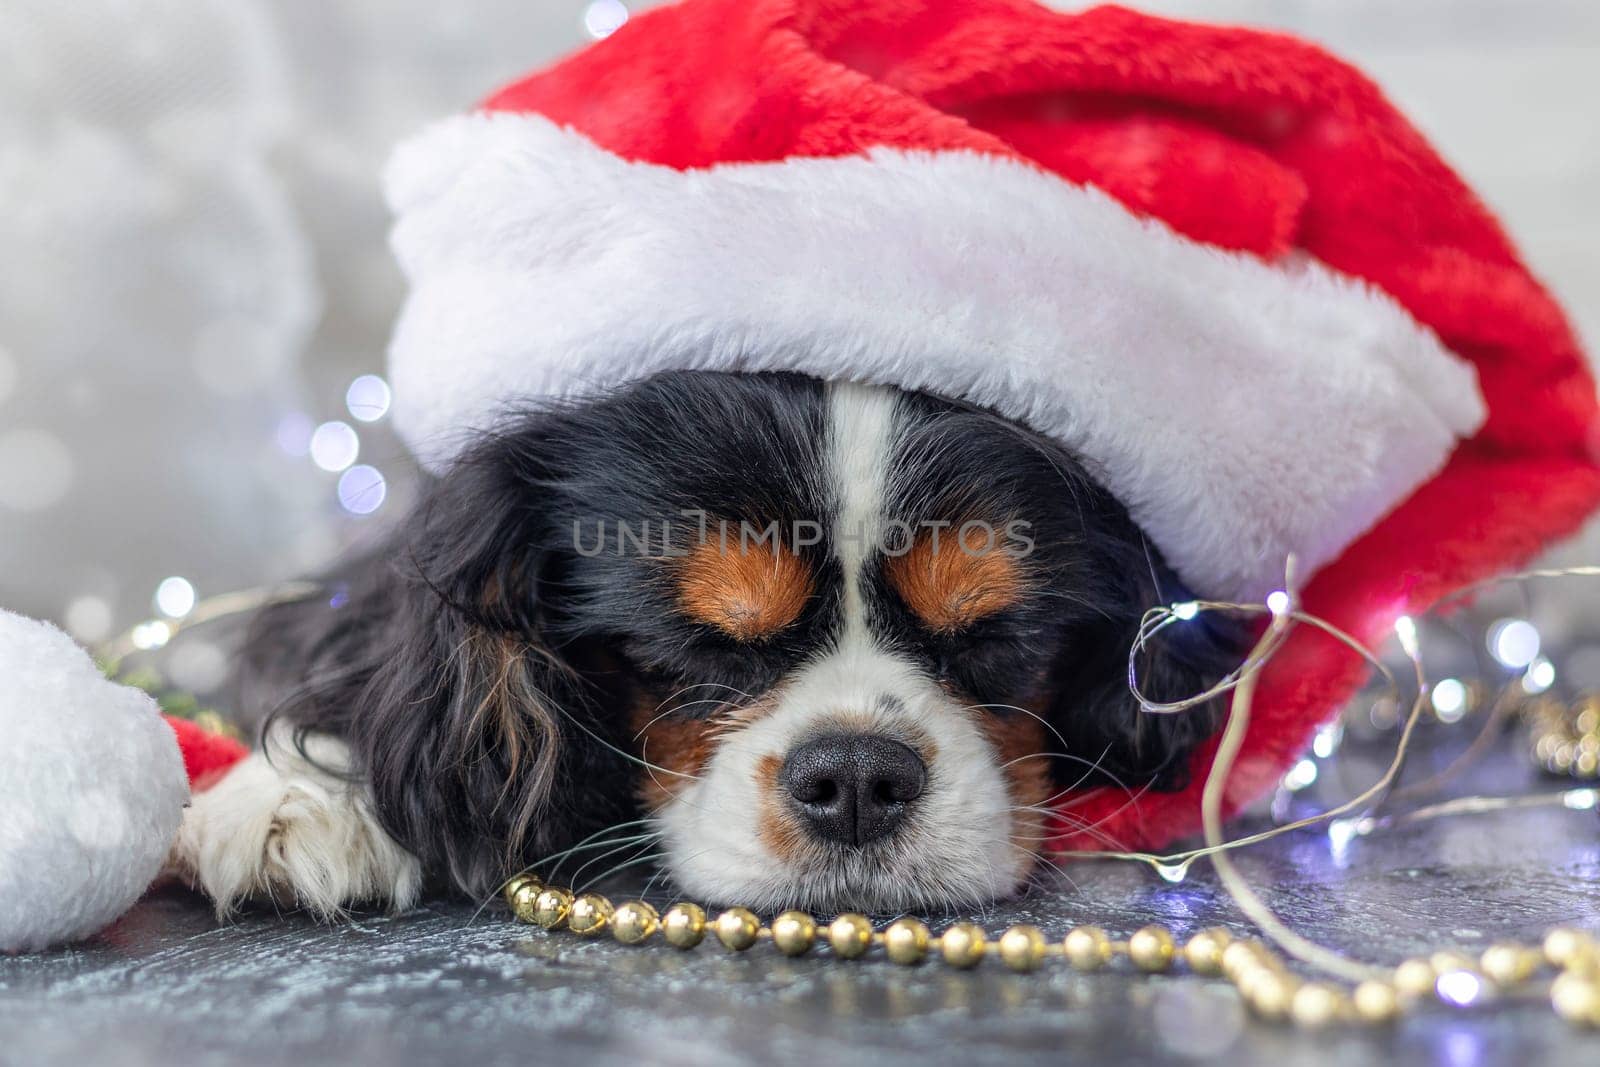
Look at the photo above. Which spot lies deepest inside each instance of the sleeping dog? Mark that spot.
(839, 646)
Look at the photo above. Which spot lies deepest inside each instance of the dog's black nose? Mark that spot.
(853, 788)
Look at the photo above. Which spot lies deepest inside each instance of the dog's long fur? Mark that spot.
(475, 667)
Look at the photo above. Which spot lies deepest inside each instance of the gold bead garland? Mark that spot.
(1203, 952)
(590, 915)
(850, 936)
(738, 928)
(1023, 948)
(963, 945)
(1151, 949)
(551, 907)
(634, 922)
(905, 941)
(1264, 982)
(794, 932)
(684, 925)
(522, 897)
(1087, 948)
(1375, 1002)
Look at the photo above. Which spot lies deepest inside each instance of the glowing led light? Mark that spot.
(1541, 676)
(174, 597)
(1300, 775)
(1514, 642)
(602, 18)
(1461, 988)
(1581, 799)
(1340, 833)
(334, 446)
(1186, 610)
(1449, 700)
(368, 398)
(362, 490)
(1278, 602)
(1405, 628)
(1329, 737)
(1343, 831)
(151, 635)
(1173, 872)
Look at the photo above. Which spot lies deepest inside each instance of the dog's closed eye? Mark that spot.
(951, 582)
(748, 592)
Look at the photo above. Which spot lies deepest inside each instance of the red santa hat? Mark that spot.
(1214, 262)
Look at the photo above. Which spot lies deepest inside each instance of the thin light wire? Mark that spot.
(1242, 683)
(1244, 897)
(211, 609)
(1182, 860)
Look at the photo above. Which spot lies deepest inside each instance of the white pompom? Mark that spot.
(92, 789)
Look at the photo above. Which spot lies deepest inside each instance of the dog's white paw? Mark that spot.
(288, 831)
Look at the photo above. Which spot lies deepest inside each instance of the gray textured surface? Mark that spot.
(202, 252)
(170, 985)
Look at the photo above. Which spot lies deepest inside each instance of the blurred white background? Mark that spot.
(193, 269)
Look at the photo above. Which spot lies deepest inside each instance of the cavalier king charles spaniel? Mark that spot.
(838, 646)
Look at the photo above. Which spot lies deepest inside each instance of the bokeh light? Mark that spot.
(175, 597)
(151, 635)
(1514, 642)
(88, 618)
(1449, 698)
(1328, 738)
(293, 434)
(368, 398)
(1541, 676)
(1300, 776)
(1461, 988)
(602, 18)
(1195, 1022)
(362, 490)
(1405, 628)
(334, 446)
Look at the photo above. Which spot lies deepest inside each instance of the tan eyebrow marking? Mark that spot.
(949, 586)
(747, 592)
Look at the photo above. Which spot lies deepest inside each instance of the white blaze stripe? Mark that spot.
(1242, 410)
(860, 442)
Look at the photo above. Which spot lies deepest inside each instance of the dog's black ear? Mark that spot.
(1095, 709)
(428, 658)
